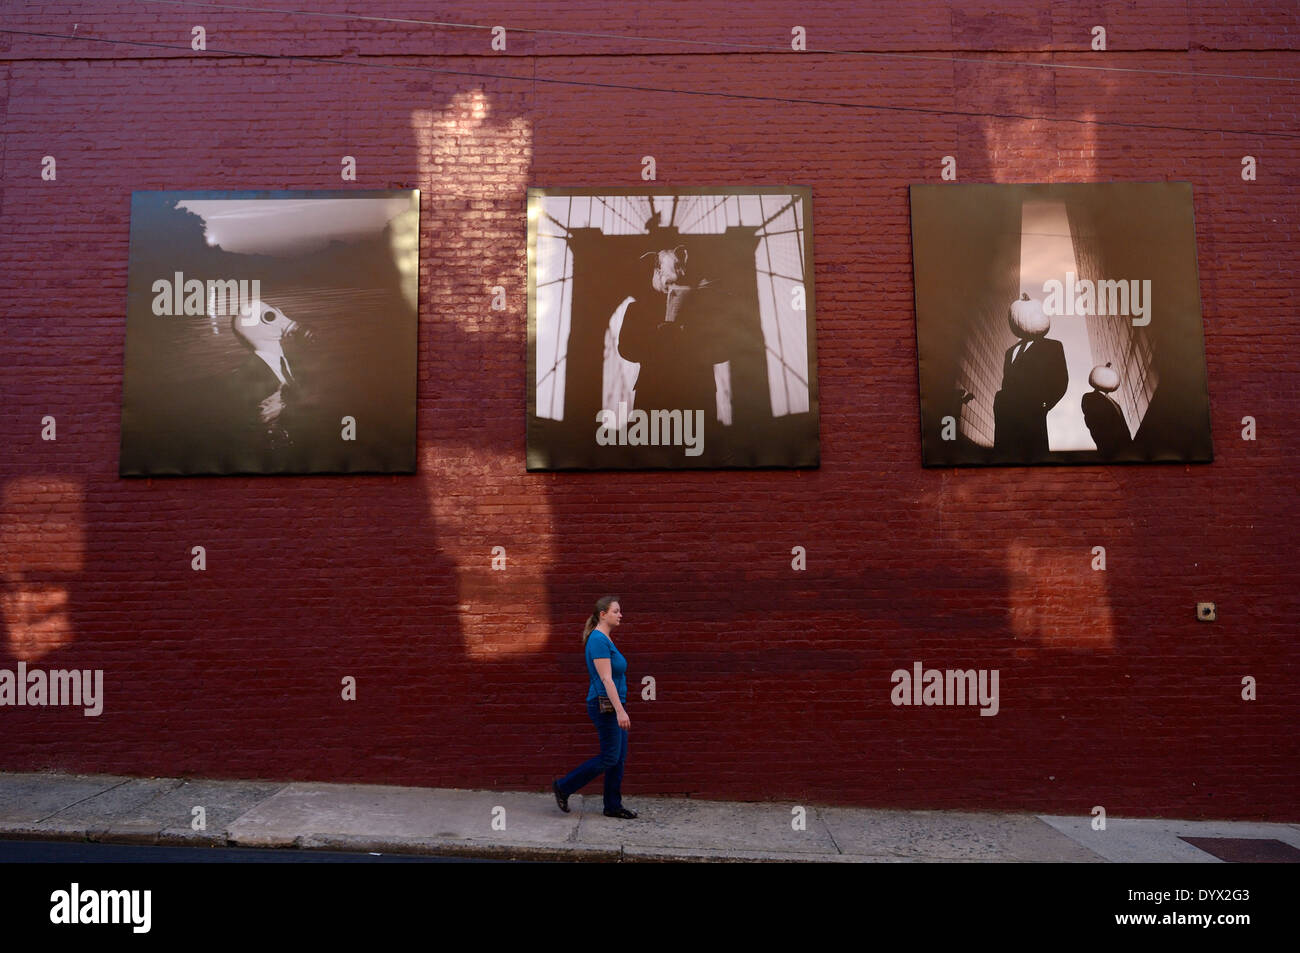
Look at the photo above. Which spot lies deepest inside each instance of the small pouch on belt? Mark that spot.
(606, 706)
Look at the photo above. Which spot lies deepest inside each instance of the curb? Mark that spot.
(440, 848)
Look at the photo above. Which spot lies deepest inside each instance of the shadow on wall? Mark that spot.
(42, 559)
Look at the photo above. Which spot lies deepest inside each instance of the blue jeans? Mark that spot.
(613, 755)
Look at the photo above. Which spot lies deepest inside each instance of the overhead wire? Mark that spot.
(715, 44)
(628, 87)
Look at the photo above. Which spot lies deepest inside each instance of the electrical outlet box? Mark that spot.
(1206, 612)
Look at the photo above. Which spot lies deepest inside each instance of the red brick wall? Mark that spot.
(772, 683)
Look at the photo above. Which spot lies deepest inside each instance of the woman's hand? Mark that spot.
(624, 722)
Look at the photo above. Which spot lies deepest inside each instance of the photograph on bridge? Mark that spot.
(671, 328)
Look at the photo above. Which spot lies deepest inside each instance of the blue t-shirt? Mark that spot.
(599, 646)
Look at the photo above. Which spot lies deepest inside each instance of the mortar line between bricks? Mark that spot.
(88, 798)
(365, 59)
(930, 54)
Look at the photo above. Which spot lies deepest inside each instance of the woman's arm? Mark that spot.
(606, 673)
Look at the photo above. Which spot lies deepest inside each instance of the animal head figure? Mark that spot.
(260, 325)
(670, 267)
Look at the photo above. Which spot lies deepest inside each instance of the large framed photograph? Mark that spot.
(1059, 324)
(271, 333)
(671, 328)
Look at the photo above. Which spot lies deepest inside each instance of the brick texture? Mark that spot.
(771, 684)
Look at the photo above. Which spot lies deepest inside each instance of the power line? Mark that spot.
(626, 87)
(717, 44)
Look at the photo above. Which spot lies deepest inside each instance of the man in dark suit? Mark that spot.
(676, 330)
(1034, 379)
(1106, 423)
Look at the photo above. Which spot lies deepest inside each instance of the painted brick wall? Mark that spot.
(772, 684)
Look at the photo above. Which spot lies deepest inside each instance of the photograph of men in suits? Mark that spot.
(1034, 379)
(676, 330)
(1090, 364)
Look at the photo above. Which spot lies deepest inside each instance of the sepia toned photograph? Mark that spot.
(671, 329)
(1059, 324)
(271, 333)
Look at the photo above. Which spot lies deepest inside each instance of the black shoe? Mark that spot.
(621, 812)
(560, 799)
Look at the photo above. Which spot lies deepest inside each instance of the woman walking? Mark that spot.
(606, 696)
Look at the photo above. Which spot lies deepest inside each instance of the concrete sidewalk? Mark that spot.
(387, 819)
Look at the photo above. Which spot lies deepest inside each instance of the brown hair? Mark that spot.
(602, 605)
